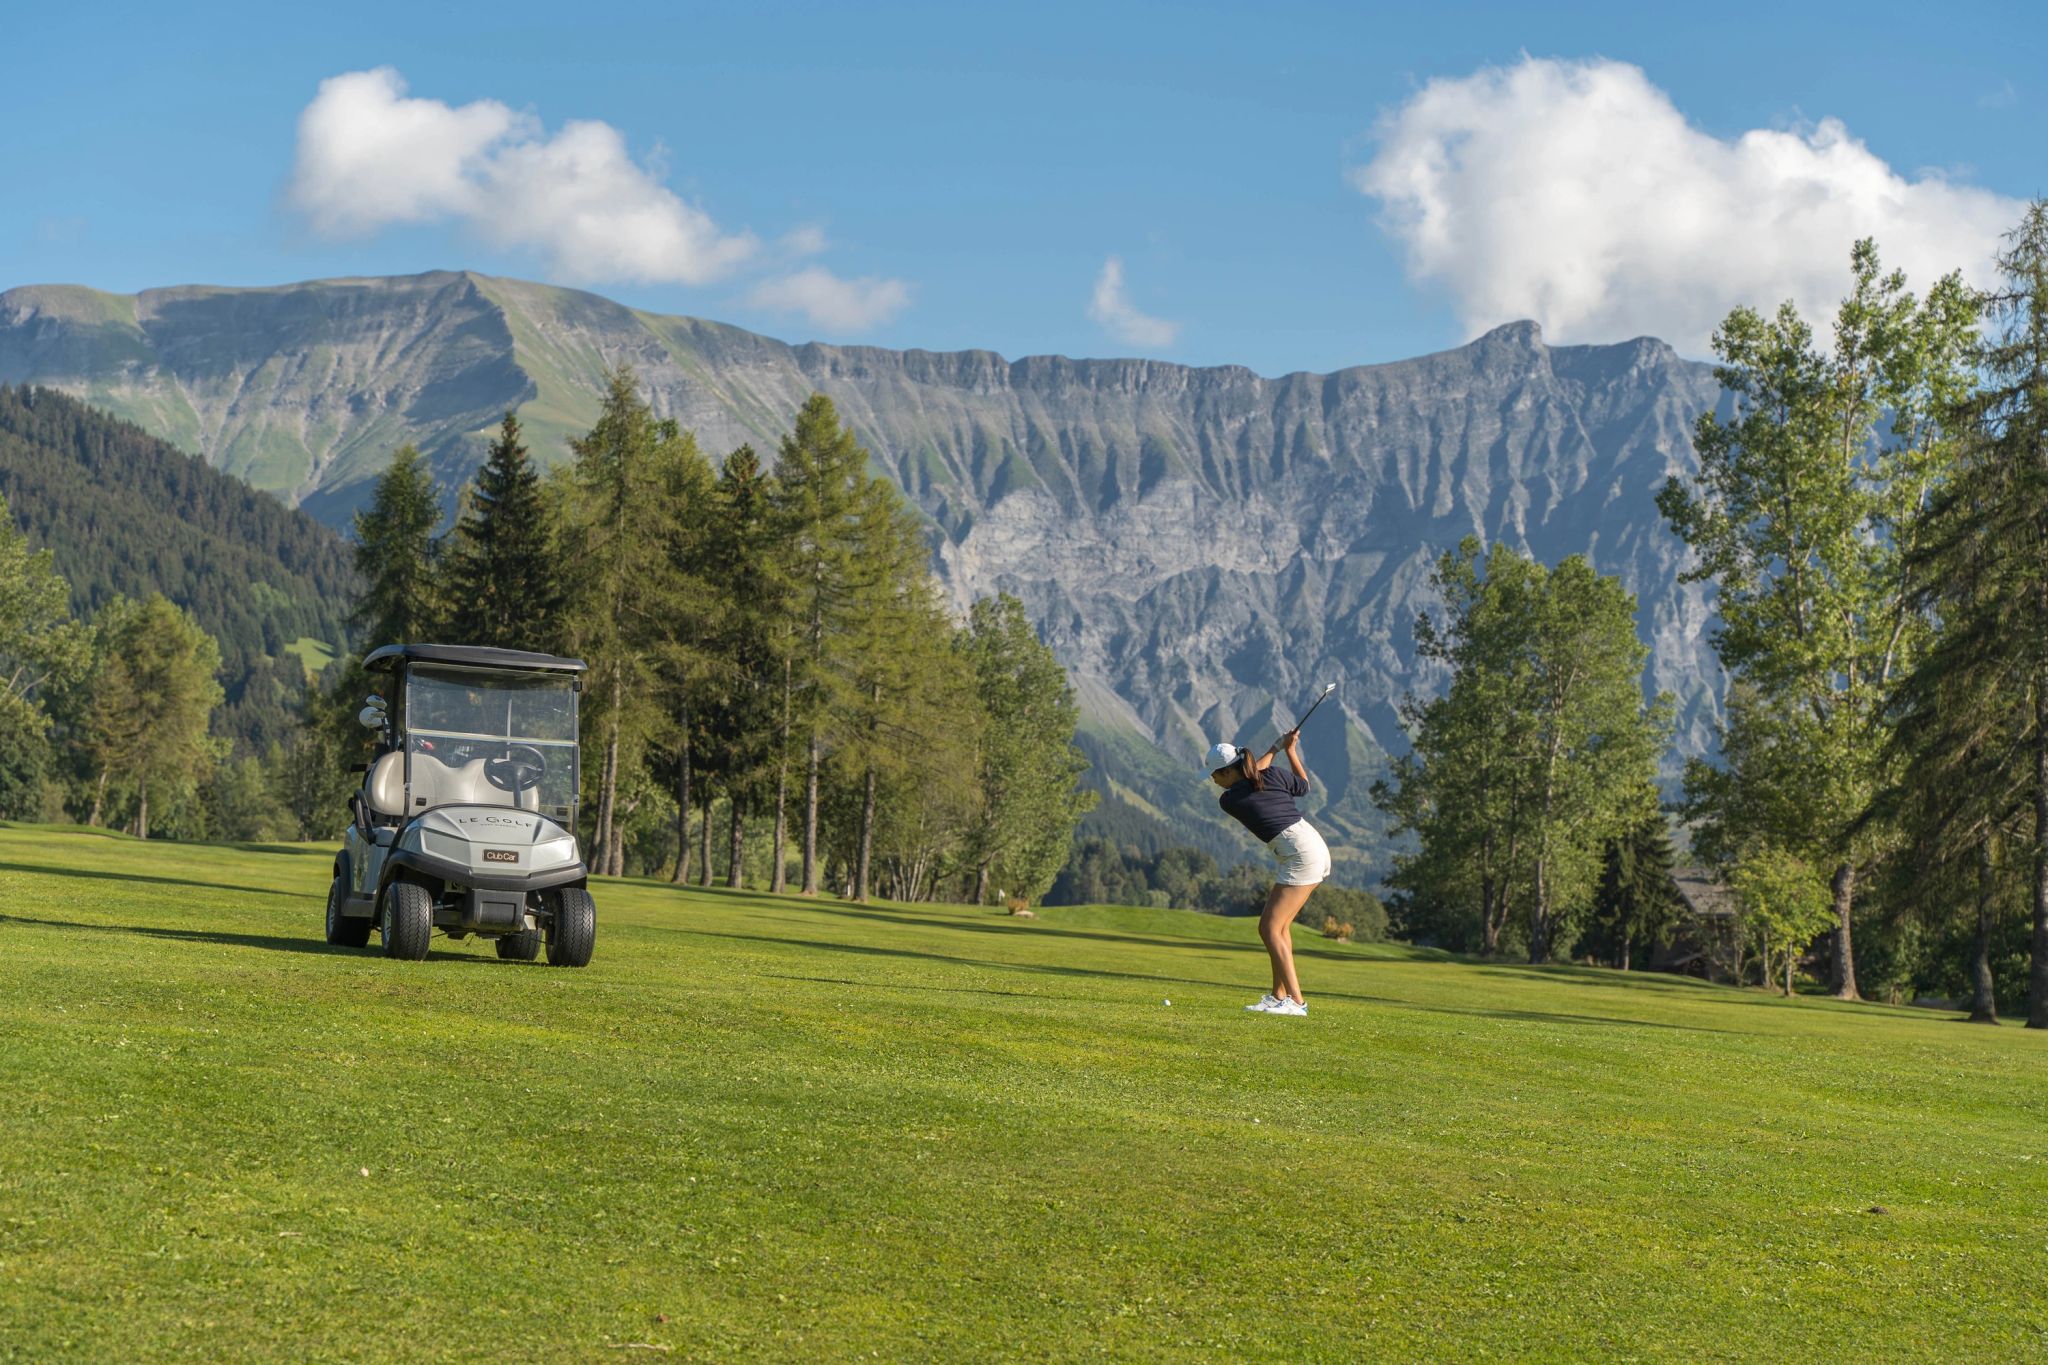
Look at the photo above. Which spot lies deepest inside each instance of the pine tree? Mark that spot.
(396, 553)
(886, 687)
(739, 672)
(820, 478)
(1636, 903)
(634, 488)
(1976, 707)
(504, 580)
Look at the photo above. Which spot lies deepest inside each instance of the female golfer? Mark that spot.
(1261, 798)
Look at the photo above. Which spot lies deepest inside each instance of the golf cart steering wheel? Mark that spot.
(517, 769)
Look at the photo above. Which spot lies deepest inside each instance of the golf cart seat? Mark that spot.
(434, 783)
(384, 787)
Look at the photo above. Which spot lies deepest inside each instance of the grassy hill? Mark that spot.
(762, 1128)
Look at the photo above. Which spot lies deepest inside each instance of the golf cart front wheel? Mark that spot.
(408, 921)
(573, 934)
(523, 946)
(344, 931)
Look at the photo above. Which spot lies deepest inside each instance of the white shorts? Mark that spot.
(1303, 856)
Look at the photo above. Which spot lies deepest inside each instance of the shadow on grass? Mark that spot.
(103, 876)
(1307, 947)
(1047, 969)
(268, 942)
(946, 990)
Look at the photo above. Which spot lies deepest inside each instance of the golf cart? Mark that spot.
(466, 818)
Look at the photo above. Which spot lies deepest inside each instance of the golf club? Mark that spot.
(1328, 688)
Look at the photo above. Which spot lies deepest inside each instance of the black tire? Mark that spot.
(408, 920)
(344, 931)
(523, 946)
(573, 933)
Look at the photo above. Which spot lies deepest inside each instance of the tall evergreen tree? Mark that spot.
(1979, 699)
(504, 580)
(1636, 904)
(396, 553)
(894, 640)
(820, 479)
(739, 671)
(628, 496)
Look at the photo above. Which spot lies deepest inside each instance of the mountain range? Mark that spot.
(1203, 547)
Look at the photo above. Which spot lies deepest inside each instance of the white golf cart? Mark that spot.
(466, 819)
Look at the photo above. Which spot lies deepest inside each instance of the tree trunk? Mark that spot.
(615, 861)
(1843, 979)
(682, 871)
(142, 810)
(600, 833)
(736, 867)
(867, 838)
(1489, 926)
(1626, 945)
(981, 872)
(608, 778)
(1983, 996)
(2037, 980)
(810, 887)
(778, 878)
(1791, 954)
(1539, 918)
(704, 834)
(99, 798)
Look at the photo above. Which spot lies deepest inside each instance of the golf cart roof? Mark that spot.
(468, 656)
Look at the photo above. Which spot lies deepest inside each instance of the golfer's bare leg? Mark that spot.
(1276, 924)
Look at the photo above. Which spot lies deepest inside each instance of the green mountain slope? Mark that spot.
(126, 513)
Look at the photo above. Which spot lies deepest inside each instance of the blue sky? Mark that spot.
(962, 175)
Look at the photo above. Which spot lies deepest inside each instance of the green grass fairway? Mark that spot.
(759, 1128)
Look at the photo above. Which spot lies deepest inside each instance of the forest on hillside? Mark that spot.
(126, 515)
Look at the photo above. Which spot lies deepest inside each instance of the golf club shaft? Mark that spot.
(1312, 709)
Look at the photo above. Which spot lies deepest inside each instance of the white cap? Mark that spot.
(1221, 755)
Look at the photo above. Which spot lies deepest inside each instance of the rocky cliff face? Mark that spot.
(1202, 546)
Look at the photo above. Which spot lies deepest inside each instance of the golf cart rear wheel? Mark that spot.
(523, 946)
(408, 921)
(344, 931)
(573, 934)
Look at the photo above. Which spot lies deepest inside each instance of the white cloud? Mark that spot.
(1112, 308)
(1576, 194)
(807, 240)
(369, 157)
(830, 302)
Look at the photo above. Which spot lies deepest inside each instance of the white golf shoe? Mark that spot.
(1265, 1005)
(1296, 1008)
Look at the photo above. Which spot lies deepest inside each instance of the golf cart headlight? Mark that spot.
(554, 853)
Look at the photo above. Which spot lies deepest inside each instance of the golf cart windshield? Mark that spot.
(491, 737)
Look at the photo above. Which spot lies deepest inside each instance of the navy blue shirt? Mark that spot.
(1265, 813)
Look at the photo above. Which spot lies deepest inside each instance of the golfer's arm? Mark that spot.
(1265, 761)
(1294, 762)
